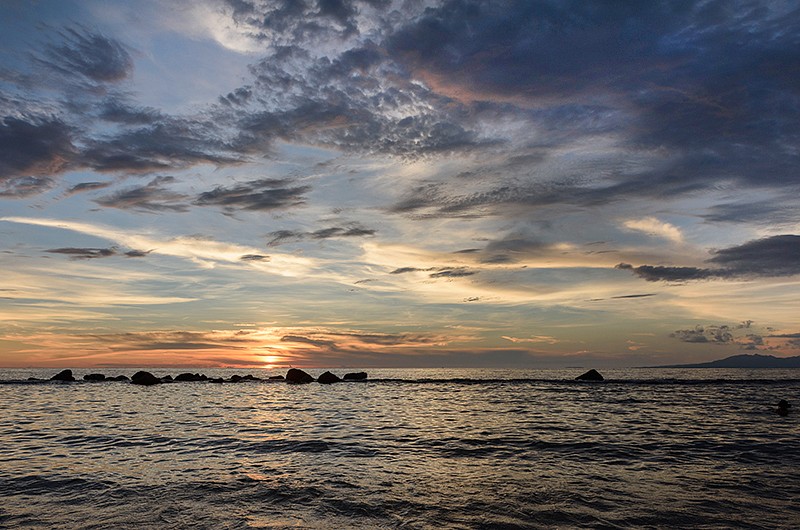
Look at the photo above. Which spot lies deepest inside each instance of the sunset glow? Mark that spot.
(397, 184)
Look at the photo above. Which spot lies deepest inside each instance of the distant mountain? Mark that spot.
(745, 361)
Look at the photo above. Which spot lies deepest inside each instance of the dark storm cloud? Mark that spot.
(353, 230)
(766, 257)
(97, 57)
(152, 197)
(34, 147)
(256, 195)
(84, 253)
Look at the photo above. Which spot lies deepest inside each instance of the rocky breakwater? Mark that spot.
(144, 378)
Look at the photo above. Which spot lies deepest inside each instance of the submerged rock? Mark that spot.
(276, 378)
(216, 380)
(295, 375)
(355, 376)
(783, 407)
(251, 377)
(94, 377)
(327, 378)
(120, 378)
(63, 375)
(591, 375)
(145, 379)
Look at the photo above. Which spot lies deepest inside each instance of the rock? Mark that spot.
(591, 375)
(327, 378)
(190, 377)
(119, 378)
(145, 379)
(276, 378)
(355, 376)
(251, 377)
(63, 375)
(216, 380)
(295, 375)
(167, 379)
(94, 377)
(783, 407)
(236, 378)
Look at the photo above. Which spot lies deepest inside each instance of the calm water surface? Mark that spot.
(412, 449)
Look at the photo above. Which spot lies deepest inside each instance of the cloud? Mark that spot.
(254, 257)
(87, 186)
(84, 253)
(152, 197)
(205, 252)
(20, 187)
(658, 273)
(767, 257)
(456, 272)
(654, 227)
(97, 57)
(720, 334)
(31, 147)
(256, 195)
(352, 230)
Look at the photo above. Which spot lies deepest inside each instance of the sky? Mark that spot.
(398, 183)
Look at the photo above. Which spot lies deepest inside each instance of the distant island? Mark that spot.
(744, 361)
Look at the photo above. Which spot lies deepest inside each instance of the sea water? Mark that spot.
(407, 449)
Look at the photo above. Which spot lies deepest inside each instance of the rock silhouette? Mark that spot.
(591, 375)
(276, 378)
(145, 379)
(167, 379)
(119, 378)
(63, 375)
(783, 407)
(190, 377)
(355, 376)
(327, 378)
(295, 375)
(94, 377)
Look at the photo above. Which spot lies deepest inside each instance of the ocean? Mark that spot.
(416, 449)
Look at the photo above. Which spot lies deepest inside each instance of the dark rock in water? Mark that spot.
(94, 377)
(783, 407)
(190, 377)
(145, 379)
(63, 375)
(236, 378)
(34, 379)
(591, 375)
(167, 379)
(216, 380)
(251, 377)
(327, 378)
(119, 378)
(276, 378)
(355, 376)
(295, 375)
